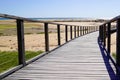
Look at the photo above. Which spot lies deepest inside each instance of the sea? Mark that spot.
(51, 19)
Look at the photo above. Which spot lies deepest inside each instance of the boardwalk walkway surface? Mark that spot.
(80, 59)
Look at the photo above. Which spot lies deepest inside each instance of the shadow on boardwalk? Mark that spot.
(107, 62)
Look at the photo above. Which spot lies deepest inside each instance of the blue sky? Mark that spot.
(61, 8)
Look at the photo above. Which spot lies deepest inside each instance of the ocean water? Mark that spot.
(4, 19)
(51, 19)
(61, 19)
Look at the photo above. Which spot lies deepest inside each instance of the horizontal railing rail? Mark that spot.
(30, 20)
(105, 31)
(76, 29)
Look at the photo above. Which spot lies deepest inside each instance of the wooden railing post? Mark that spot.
(91, 29)
(100, 33)
(80, 31)
(104, 35)
(83, 30)
(87, 30)
(77, 31)
(109, 38)
(118, 45)
(74, 31)
(66, 33)
(58, 35)
(71, 32)
(21, 44)
(46, 37)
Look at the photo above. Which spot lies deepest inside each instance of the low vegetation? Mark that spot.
(7, 26)
(9, 59)
(114, 55)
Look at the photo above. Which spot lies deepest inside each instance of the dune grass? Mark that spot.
(114, 55)
(13, 25)
(9, 59)
(7, 26)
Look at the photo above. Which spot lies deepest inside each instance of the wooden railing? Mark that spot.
(78, 31)
(105, 31)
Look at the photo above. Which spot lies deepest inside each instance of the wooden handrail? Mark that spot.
(30, 20)
(112, 20)
(105, 31)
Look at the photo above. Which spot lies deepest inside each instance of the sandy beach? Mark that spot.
(34, 36)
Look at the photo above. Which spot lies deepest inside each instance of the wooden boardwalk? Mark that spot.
(80, 59)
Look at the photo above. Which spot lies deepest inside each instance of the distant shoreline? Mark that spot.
(65, 19)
